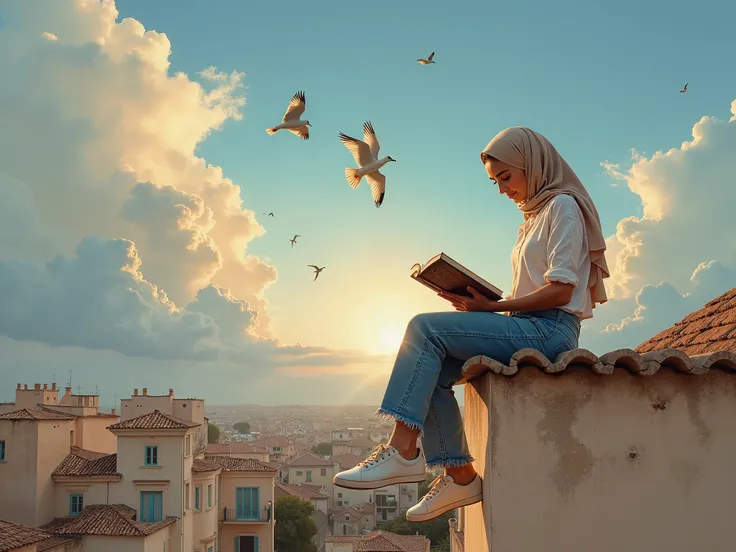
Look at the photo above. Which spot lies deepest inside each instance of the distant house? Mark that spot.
(377, 541)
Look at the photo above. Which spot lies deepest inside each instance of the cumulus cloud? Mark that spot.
(98, 172)
(680, 253)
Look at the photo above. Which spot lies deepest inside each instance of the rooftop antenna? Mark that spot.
(79, 389)
(70, 378)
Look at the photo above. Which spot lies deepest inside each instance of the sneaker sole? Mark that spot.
(436, 513)
(368, 485)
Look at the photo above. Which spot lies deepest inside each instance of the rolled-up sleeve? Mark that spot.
(565, 245)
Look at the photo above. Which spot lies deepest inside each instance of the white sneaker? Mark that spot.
(385, 466)
(445, 495)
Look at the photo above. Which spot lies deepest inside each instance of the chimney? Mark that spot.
(45, 386)
(112, 411)
(25, 387)
(53, 386)
(18, 388)
(145, 391)
(68, 390)
(36, 386)
(171, 392)
(135, 392)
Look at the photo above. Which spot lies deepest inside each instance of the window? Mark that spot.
(339, 495)
(72, 442)
(210, 549)
(76, 504)
(209, 496)
(344, 529)
(323, 472)
(151, 506)
(298, 474)
(2, 451)
(247, 503)
(309, 475)
(187, 500)
(151, 455)
(196, 498)
(347, 517)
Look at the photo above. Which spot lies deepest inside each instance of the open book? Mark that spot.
(442, 273)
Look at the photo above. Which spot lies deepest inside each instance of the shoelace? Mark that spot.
(375, 456)
(440, 482)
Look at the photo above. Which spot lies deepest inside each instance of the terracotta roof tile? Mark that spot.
(713, 325)
(80, 462)
(202, 466)
(115, 520)
(346, 461)
(28, 414)
(382, 541)
(300, 491)
(14, 536)
(53, 542)
(154, 420)
(361, 442)
(309, 460)
(274, 441)
(228, 464)
(235, 448)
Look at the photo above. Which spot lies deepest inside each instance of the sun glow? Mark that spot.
(390, 337)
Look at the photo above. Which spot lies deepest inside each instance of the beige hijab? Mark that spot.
(548, 175)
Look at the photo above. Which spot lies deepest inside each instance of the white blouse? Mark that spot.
(553, 247)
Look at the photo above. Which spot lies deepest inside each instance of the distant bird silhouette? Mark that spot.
(292, 118)
(684, 89)
(317, 270)
(269, 214)
(293, 240)
(365, 153)
(430, 59)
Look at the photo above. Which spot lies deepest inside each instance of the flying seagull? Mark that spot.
(684, 89)
(293, 240)
(428, 60)
(365, 153)
(269, 214)
(292, 118)
(317, 270)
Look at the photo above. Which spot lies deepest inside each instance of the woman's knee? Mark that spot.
(423, 322)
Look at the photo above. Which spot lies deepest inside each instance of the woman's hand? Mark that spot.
(476, 303)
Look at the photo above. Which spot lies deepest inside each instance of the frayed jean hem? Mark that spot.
(392, 416)
(449, 462)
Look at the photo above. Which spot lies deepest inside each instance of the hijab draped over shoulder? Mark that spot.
(548, 175)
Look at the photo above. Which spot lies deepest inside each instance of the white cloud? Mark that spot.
(98, 172)
(681, 252)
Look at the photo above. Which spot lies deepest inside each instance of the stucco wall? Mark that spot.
(582, 461)
(53, 447)
(92, 434)
(116, 544)
(95, 492)
(317, 478)
(205, 520)
(338, 547)
(18, 472)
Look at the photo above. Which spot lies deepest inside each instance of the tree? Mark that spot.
(294, 528)
(213, 433)
(322, 449)
(242, 427)
(435, 530)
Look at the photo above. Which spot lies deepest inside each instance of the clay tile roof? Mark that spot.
(201, 466)
(81, 462)
(346, 461)
(14, 536)
(115, 520)
(53, 542)
(154, 420)
(364, 509)
(228, 464)
(708, 330)
(274, 441)
(309, 460)
(28, 414)
(381, 541)
(361, 442)
(234, 448)
(305, 492)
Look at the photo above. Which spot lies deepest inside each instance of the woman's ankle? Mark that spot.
(462, 475)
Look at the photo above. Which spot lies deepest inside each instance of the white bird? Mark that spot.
(684, 89)
(293, 240)
(292, 118)
(365, 153)
(317, 270)
(428, 60)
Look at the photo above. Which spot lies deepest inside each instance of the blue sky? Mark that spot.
(598, 80)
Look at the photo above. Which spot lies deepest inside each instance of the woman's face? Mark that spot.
(510, 180)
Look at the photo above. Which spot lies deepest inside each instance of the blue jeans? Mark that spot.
(430, 359)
